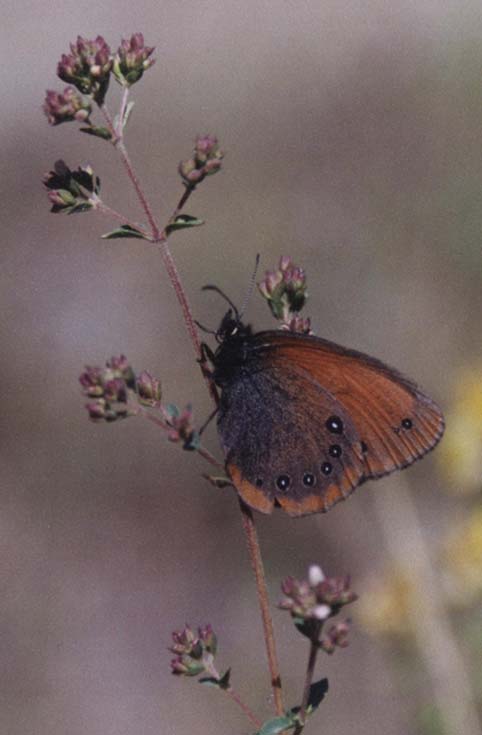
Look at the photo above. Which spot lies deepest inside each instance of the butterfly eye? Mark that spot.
(259, 482)
(326, 468)
(308, 479)
(334, 450)
(407, 423)
(283, 482)
(335, 425)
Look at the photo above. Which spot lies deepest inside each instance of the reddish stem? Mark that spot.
(263, 599)
(236, 698)
(105, 209)
(122, 112)
(119, 143)
(247, 516)
(202, 451)
(310, 672)
(139, 191)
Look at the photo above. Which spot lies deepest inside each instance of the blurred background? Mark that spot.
(353, 139)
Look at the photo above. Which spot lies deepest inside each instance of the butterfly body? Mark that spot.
(303, 421)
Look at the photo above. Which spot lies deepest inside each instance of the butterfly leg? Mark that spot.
(207, 356)
(206, 360)
(208, 420)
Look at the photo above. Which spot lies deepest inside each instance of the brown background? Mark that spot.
(353, 134)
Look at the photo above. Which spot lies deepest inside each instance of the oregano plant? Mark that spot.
(117, 391)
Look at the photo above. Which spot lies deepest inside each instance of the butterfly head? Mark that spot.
(232, 328)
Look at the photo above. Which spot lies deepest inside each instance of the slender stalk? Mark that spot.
(119, 143)
(110, 123)
(174, 277)
(258, 569)
(236, 698)
(205, 454)
(139, 190)
(202, 451)
(246, 514)
(105, 209)
(122, 112)
(310, 672)
(232, 693)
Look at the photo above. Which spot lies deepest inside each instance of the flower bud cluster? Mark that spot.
(313, 600)
(335, 637)
(132, 60)
(285, 291)
(181, 427)
(109, 388)
(87, 68)
(205, 161)
(64, 107)
(194, 652)
(148, 389)
(72, 191)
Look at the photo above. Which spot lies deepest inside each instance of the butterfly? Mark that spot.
(303, 421)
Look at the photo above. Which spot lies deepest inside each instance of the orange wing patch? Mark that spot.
(252, 496)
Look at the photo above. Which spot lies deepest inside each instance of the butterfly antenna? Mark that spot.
(210, 287)
(249, 292)
(203, 328)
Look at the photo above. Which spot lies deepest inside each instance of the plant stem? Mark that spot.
(236, 698)
(246, 514)
(122, 112)
(119, 144)
(105, 209)
(232, 694)
(258, 569)
(310, 672)
(139, 190)
(202, 451)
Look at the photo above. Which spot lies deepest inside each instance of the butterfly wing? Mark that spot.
(318, 420)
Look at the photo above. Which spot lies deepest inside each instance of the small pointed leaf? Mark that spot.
(224, 680)
(124, 231)
(79, 207)
(277, 725)
(127, 113)
(183, 221)
(172, 410)
(318, 692)
(222, 683)
(98, 132)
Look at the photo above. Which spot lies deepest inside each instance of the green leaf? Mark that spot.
(98, 132)
(125, 231)
(172, 410)
(318, 691)
(222, 683)
(183, 221)
(193, 442)
(79, 207)
(277, 725)
(224, 680)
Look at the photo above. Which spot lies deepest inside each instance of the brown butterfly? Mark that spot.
(303, 421)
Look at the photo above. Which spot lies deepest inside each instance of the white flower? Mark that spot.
(315, 575)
